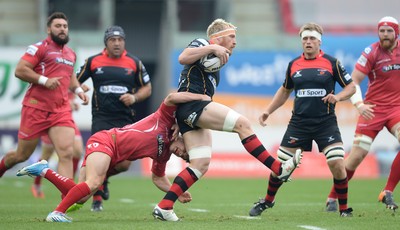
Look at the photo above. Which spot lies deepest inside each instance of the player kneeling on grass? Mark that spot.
(155, 136)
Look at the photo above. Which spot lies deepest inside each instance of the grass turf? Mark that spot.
(217, 204)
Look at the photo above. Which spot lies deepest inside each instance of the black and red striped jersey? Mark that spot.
(313, 79)
(111, 78)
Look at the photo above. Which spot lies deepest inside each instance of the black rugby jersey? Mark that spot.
(313, 79)
(111, 78)
(194, 79)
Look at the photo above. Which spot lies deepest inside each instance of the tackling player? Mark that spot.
(151, 137)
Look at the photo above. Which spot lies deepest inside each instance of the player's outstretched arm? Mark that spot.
(183, 97)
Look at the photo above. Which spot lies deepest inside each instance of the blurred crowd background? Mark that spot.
(156, 32)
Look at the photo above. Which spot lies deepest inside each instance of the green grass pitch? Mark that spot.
(217, 204)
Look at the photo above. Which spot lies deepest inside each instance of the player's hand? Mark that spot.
(175, 134)
(185, 197)
(75, 106)
(85, 88)
(53, 83)
(85, 98)
(205, 97)
(263, 118)
(222, 53)
(330, 98)
(366, 110)
(128, 99)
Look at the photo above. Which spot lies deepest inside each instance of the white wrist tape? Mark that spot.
(42, 80)
(357, 96)
(78, 90)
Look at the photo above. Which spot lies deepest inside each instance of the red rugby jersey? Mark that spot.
(149, 137)
(383, 69)
(51, 60)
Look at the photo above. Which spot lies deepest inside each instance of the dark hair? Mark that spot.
(56, 15)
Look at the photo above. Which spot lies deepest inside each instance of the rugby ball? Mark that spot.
(211, 63)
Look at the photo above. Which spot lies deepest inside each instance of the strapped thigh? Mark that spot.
(363, 141)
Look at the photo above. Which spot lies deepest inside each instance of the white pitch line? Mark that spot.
(198, 210)
(126, 200)
(311, 227)
(247, 217)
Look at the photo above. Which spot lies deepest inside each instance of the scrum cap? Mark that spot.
(390, 21)
(113, 31)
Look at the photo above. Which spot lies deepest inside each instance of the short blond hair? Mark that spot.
(218, 25)
(311, 26)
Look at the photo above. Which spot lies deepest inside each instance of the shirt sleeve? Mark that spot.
(84, 71)
(365, 61)
(34, 54)
(340, 74)
(288, 82)
(158, 168)
(143, 78)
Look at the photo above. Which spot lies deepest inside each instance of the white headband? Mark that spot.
(311, 33)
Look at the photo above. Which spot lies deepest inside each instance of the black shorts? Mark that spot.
(188, 114)
(302, 131)
(102, 122)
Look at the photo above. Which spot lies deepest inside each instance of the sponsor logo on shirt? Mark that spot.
(31, 50)
(99, 71)
(213, 81)
(129, 71)
(362, 61)
(347, 77)
(64, 61)
(390, 67)
(146, 78)
(367, 50)
(311, 93)
(297, 74)
(342, 67)
(113, 89)
(160, 141)
(321, 72)
(93, 145)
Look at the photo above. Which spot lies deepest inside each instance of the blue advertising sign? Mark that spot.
(263, 72)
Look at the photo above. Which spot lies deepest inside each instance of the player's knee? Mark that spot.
(197, 172)
(200, 152)
(284, 155)
(334, 153)
(94, 184)
(200, 158)
(363, 141)
(230, 121)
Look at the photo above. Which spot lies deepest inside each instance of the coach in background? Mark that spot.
(48, 66)
(120, 80)
(313, 76)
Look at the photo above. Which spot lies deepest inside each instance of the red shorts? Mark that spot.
(36, 122)
(46, 139)
(101, 142)
(384, 117)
